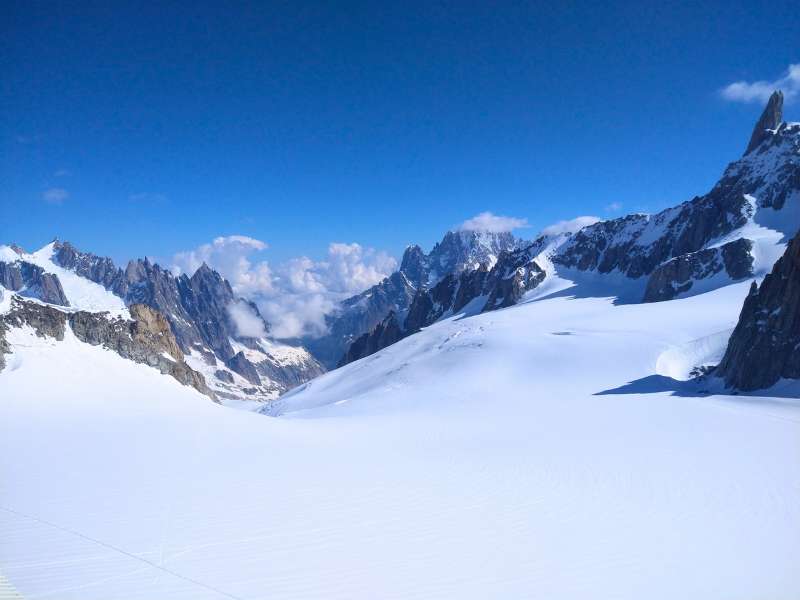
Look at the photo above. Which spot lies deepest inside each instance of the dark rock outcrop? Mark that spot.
(386, 333)
(238, 363)
(146, 339)
(514, 274)
(30, 280)
(763, 347)
(98, 269)
(677, 276)
(224, 376)
(770, 119)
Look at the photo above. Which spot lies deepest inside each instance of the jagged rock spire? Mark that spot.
(771, 118)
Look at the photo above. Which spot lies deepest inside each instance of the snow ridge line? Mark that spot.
(120, 551)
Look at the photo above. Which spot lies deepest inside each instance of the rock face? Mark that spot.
(678, 275)
(238, 363)
(763, 347)
(386, 333)
(31, 280)
(487, 288)
(94, 268)
(770, 119)
(145, 339)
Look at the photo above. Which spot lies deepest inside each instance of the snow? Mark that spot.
(5, 300)
(542, 451)
(7, 254)
(82, 293)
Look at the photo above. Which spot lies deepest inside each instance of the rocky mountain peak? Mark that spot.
(415, 265)
(466, 250)
(770, 120)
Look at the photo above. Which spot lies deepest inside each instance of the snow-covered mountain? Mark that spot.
(202, 313)
(579, 443)
(736, 231)
(457, 252)
(546, 451)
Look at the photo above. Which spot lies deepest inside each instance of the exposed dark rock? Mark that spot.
(238, 363)
(763, 347)
(386, 333)
(360, 314)
(677, 276)
(145, 339)
(415, 266)
(46, 321)
(224, 376)
(514, 274)
(99, 269)
(770, 119)
(30, 280)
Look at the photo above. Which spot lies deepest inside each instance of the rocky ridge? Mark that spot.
(30, 280)
(146, 338)
(763, 347)
(198, 309)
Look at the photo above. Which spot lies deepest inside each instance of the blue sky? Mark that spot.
(135, 129)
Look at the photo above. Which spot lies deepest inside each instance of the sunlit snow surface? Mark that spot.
(548, 451)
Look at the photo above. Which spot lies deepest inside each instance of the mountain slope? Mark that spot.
(467, 461)
(736, 231)
(200, 309)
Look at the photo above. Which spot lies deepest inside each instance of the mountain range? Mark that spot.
(606, 412)
(734, 232)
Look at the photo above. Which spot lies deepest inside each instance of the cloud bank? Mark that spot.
(570, 226)
(492, 223)
(293, 296)
(760, 91)
(247, 322)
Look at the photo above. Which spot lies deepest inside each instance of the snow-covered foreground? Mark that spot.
(477, 459)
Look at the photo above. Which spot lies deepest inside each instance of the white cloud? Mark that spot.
(248, 323)
(295, 315)
(229, 256)
(613, 207)
(492, 223)
(760, 91)
(294, 296)
(570, 226)
(55, 195)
